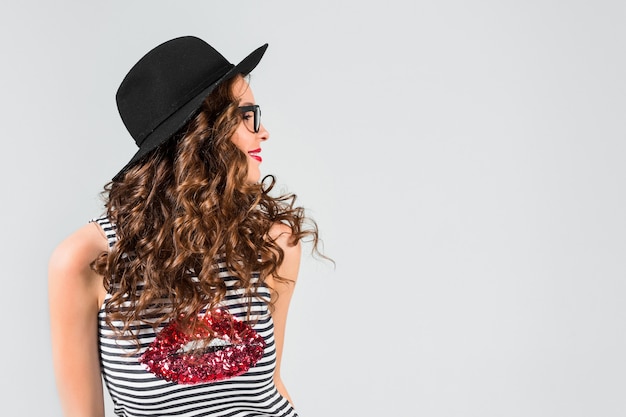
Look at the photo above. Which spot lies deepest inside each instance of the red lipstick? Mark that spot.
(255, 154)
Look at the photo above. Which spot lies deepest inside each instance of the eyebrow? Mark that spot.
(247, 103)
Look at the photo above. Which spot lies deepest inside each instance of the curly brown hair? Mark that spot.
(184, 206)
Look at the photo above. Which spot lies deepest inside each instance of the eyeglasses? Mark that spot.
(251, 116)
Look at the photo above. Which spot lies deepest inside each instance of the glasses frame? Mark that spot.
(256, 110)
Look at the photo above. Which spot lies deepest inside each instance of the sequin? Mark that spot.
(225, 348)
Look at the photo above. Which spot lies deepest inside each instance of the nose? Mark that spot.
(263, 133)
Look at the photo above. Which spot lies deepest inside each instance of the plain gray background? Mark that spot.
(464, 161)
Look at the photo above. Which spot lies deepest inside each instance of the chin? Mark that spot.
(254, 177)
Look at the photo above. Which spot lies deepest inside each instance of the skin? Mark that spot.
(76, 294)
(243, 138)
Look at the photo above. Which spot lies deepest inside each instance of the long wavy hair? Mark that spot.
(183, 207)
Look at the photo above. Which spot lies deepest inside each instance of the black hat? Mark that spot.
(164, 90)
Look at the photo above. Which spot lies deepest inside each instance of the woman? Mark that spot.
(178, 295)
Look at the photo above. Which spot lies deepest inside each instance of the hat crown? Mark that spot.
(165, 79)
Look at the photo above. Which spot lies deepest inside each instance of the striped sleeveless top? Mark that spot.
(169, 375)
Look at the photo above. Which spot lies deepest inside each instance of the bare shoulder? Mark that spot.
(76, 252)
(282, 235)
(292, 250)
(71, 280)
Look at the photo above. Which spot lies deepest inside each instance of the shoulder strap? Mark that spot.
(108, 228)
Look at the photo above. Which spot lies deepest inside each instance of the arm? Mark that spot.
(75, 294)
(282, 292)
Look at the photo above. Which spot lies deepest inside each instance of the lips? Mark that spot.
(255, 154)
(222, 348)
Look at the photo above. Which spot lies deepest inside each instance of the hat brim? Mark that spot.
(188, 110)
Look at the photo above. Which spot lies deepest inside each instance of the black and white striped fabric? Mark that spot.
(138, 392)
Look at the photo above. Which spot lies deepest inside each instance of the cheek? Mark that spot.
(243, 139)
(237, 140)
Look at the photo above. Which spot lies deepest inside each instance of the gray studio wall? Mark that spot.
(464, 160)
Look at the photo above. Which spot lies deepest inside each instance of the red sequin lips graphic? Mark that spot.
(225, 348)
